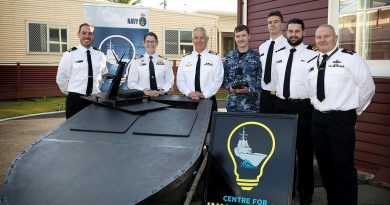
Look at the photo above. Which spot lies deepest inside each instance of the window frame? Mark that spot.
(379, 68)
(59, 27)
(178, 40)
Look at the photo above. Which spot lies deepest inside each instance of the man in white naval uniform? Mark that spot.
(276, 43)
(80, 71)
(200, 74)
(293, 98)
(150, 73)
(340, 87)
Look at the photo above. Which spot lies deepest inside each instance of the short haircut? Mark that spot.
(296, 21)
(328, 26)
(276, 13)
(199, 29)
(240, 28)
(86, 24)
(151, 34)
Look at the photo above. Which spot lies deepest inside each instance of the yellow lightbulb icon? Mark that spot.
(248, 184)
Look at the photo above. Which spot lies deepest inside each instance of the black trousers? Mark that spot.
(267, 102)
(74, 104)
(304, 144)
(215, 106)
(334, 145)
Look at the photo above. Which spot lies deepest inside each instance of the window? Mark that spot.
(228, 43)
(47, 38)
(364, 26)
(178, 42)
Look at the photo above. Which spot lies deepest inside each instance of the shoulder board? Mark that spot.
(162, 57)
(138, 57)
(187, 54)
(72, 49)
(312, 59)
(313, 48)
(213, 52)
(281, 49)
(96, 48)
(348, 51)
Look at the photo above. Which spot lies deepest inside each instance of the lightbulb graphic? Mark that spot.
(244, 152)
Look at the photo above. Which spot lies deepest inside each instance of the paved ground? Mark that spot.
(16, 134)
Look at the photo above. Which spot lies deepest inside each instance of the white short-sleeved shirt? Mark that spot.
(280, 44)
(72, 74)
(211, 73)
(348, 82)
(302, 55)
(138, 77)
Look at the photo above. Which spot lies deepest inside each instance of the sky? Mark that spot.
(193, 5)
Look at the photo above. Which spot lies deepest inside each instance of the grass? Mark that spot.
(221, 95)
(31, 106)
(48, 104)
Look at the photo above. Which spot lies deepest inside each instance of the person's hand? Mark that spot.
(195, 95)
(151, 93)
(232, 90)
(244, 90)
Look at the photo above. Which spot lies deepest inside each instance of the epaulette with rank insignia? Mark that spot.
(72, 49)
(138, 57)
(187, 54)
(162, 57)
(312, 59)
(213, 52)
(348, 51)
(281, 49)
(96, 48)
(313, 48)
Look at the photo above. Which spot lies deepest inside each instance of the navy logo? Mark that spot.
(142, 20)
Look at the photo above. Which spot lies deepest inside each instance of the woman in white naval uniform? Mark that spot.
(150, 72)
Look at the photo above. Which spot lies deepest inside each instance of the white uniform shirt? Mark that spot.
(139, 73)
(211, 73)
(348, 82)
(302, 55)
(280, 43)
(72, 74)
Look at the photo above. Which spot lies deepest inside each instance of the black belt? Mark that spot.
(74, 93)
(269, 92)
(306, 100)
(334, 111)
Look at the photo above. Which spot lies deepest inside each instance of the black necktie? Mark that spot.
(287, 75)
(320, 79)
(268, 63)
(197, 75)
(152, 75)
(90, 74)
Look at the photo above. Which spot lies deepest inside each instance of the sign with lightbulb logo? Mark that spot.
(251, 159)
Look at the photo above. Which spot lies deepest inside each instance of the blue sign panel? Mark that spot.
(251, 159)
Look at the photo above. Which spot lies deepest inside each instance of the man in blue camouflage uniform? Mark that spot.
(242, 74)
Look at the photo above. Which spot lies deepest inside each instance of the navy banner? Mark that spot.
(119, 32)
